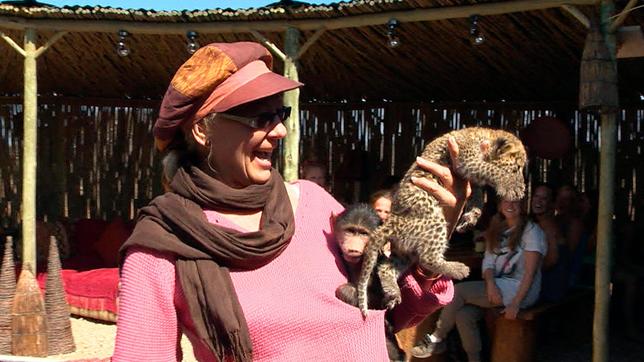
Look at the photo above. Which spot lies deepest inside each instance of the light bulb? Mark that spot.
(192, 45)
(394, 41)
(122, 50)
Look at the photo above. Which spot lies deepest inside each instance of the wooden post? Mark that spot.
(30, 110)
(606, 204)
(292, 98)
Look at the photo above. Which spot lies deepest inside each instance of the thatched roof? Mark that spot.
(530, 56)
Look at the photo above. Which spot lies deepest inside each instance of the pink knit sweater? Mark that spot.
(289, 304)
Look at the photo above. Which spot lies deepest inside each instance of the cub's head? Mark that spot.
(507, 158)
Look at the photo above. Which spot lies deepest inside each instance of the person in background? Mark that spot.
(582, 269)
(234, 257)
(315, 172)
(571, 227)
(381, 202)
(515, 247)
(555, 268)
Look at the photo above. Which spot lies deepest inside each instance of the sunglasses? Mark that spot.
(262, 120)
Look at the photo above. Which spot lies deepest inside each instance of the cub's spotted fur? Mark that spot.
(417, 227)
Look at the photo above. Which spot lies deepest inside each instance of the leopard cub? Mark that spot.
(417, 228)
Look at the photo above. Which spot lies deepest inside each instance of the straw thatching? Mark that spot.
(526, 56)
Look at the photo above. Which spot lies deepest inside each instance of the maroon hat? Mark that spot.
(218, 77)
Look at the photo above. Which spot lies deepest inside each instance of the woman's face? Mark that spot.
(542, 201)
(240, 154)
(383, 207)
(511, 210)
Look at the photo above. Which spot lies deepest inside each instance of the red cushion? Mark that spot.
(95, 290)
(111, 240)
(86, 233)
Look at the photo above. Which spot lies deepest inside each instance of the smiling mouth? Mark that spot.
(264, 154)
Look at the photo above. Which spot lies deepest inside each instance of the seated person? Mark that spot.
(511, 267)
(555, 278)
(570, 225)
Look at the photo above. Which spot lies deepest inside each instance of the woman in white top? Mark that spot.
(511, 268)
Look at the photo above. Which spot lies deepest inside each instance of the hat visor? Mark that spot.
(264, 85)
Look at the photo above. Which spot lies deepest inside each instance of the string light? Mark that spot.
(121, 48)
(392, 39)
(192, 45)
(476, 37)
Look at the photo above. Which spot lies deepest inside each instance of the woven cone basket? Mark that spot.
(7, 292)
(59, 328)
(598, 73)
(28, 318)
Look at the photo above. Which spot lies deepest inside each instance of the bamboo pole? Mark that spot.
(606, 205)
(292, 99)
(236, 26)
(622, 15)
(268, 44)
(310, 41)
(12, 43)
(577, 14)
(30, 110)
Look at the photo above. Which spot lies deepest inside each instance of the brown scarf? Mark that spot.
(175, 223)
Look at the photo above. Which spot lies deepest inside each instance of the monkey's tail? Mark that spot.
(376, 241)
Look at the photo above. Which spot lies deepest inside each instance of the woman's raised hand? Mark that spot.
(452, 192)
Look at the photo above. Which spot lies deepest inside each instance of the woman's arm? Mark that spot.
(147, 327)
(532, 261)
(574, 234)
(422, 291)
(421, 296)
(494, 295)
(551, 231)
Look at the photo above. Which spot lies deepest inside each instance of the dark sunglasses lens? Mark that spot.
(265, 119)
(284, 113)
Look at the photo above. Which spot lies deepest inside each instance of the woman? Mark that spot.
(556, 260)
(512, 278)
(232, 256)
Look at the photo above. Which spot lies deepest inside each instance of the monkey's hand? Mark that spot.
(347, 293)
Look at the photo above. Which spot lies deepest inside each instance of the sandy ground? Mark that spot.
(96, 340)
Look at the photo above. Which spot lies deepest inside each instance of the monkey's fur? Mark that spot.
(417, 228)
(357, 221)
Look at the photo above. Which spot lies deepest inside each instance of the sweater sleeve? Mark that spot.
(147, 326)
(420, 298)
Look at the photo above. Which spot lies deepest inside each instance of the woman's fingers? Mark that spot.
(444, 196)
(452, 148)
(443, 173)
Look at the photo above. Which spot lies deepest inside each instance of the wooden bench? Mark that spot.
(516, 340)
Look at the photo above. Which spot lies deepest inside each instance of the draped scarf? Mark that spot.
(175, 223)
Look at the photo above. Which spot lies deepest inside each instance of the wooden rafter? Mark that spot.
(238, 26)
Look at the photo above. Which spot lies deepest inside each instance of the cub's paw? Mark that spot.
(456, 270)
(468, 220)
(391, 300)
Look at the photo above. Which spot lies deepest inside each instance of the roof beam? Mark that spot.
(237, 26)
(581, 17)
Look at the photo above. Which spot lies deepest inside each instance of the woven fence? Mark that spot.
(96, 157)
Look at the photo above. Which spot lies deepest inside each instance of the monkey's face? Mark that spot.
(353, 241)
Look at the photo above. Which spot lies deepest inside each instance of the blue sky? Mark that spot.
(172, 5)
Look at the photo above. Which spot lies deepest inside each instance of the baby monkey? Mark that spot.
(351, 230)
